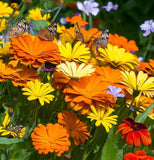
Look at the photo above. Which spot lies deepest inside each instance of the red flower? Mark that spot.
(138, 155)
(134, 133)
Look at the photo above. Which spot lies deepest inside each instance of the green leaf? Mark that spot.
(111, 149)
(142, 117)
(8, 141)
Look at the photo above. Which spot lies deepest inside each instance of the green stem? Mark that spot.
(148, 47)
(90, 21)
(8, 90)
(35, 111)
(84, 16)
(57, 13)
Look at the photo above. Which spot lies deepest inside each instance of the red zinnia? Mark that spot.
(134, 133)
(138, 155)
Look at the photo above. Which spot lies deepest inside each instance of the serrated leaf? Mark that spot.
(142, 117)
(8, 141)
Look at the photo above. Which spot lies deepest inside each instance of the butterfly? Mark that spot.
(78, 34)
(16, 129)
(17, 30)
(103, 40)
(49, 33)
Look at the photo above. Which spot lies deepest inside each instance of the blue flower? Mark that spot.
(148, 27)
(88, 6)
(115, 91)
(110, 6)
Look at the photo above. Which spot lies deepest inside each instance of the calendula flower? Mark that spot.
(122, 42)
(134, 133)
(148, 27)
(102, 116)
(50, 138)
(35, 14)
(110, 6)
(118, 58)
(70, 71)
(137, 155)
(2, 24)
(148, 67)
(87, 91)
(5, 11)
(38, 90)
(75, 128)
(34, 50)
(138, 82)
(79, 53)
(88, 6)
(9, 130)
(4, 48)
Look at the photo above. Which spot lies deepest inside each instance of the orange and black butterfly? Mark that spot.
(78, 34)
(49, 33)
(18, 30)
(103, 40)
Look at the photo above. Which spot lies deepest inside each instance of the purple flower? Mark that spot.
(31, 25)
(88, 6)
(63, 21)
(47, 70)
(115, 91)
(110, 6)
(148, 27)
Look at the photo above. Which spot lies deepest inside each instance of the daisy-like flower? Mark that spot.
(9, 130)
(122, 42)
(148, 27)
(138, 82)
(118, 58)
(70, 71)
(38, 90)
(115, 91)
(75, 128)
(88, 6)
(110, 6)
(148, 67)
(2, 24)
(87, 91)
(137, 155)
(134, 133)
(35, 14)
(79, 53)
(4, 49)
(50, 138)
(102, 117)
(34, 50)
(5, 11)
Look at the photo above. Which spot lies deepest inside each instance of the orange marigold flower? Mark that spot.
(134, 133)
(23, 76)
(137, 155)
(75, 19)
(148, 67)
(87, 91)
(50, 138)
(122, 42)
(34, 50)
(76, 128)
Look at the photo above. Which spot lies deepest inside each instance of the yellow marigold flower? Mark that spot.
(2, 24)
(103, 117)
(38, 90)
(73, 71)
(79, 53)
(4, 49)
(139, 82)
(118, 58)
(9, 130)
(5, 11)
(35, 14)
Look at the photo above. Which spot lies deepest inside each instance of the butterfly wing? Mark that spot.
(50, 33)
(78, 34)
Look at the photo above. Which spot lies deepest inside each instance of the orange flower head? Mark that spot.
(88, 91)
(76, 128)
(50, 138)
(34, 50)
(122, 42)
(148, 67)
(134, 133)
(137, 155)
